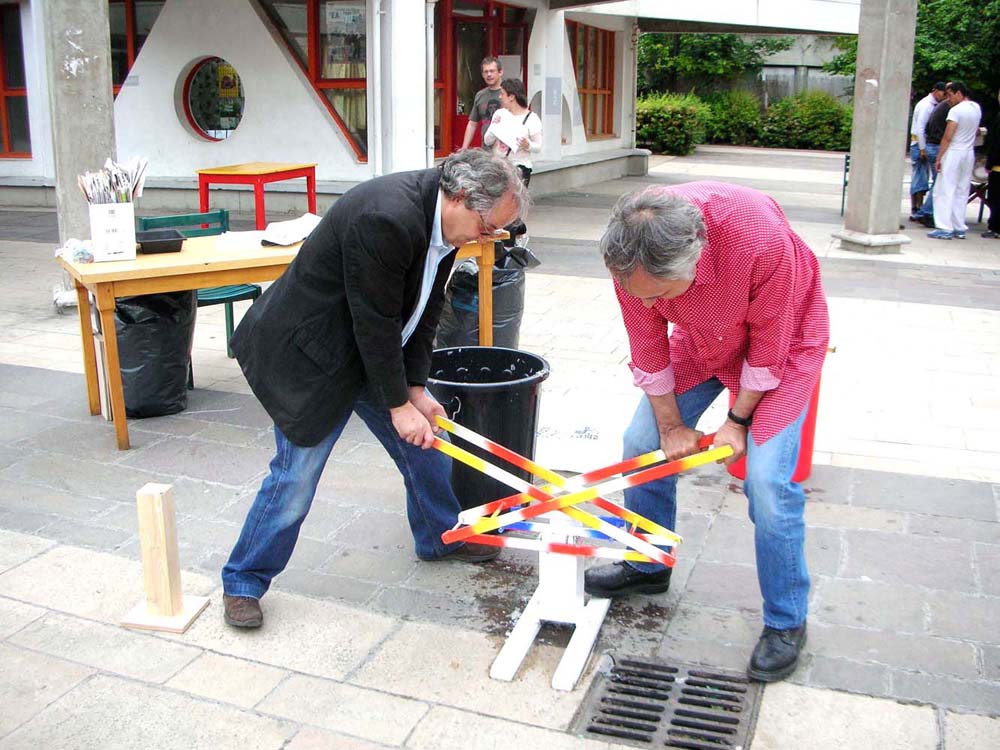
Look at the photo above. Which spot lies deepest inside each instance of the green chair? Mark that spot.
(200, 225)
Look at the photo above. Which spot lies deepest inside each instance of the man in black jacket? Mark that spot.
(993, 184)
(349, 327)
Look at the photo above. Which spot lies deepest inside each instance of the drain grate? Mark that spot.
(655, 704)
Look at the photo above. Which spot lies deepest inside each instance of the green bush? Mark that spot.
(671, 123)
(813, 120)
(735, 118)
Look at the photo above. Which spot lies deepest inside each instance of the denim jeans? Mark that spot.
(919, 176)
(776, 506)
(927, 207)
(272, 526)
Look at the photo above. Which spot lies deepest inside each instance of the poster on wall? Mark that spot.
(229, 82)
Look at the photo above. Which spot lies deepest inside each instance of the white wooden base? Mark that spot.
(559, 598)
(140, 618)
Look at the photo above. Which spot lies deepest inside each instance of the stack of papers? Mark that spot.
(289, 232)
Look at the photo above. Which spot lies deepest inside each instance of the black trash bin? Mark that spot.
(495, 392)
(155, 334)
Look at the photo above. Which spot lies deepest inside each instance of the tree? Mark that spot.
(955, 40)
(700, 58)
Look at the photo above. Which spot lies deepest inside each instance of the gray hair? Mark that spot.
(655, 229)
(483, 179)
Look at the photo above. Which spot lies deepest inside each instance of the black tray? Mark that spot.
(159, 241)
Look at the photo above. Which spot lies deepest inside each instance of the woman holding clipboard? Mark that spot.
(516, 131)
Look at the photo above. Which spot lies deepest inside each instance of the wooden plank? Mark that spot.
(158, 540)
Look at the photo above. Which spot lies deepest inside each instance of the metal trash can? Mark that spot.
(495, 392)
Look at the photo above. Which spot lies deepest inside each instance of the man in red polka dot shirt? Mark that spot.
(743, 293)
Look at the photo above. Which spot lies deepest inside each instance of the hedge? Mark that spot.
(671, 123)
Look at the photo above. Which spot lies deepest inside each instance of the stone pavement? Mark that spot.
(904, 539)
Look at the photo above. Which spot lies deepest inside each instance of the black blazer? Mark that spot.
(332, 323)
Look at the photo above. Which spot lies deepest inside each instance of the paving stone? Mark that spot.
(82, 534)
(26, 521)
(938, 656)
(485, 613)
(14, 615)
(871, 604)
(730, 540)
(22, 425)
(223, 678)
(201, 459)
(92, 441)
(829, 485)
(108, 713)
(724, 586)
(370, 565)
(966, 730)
(949, 692)
(987, 558)
(345, 708)
(701, 651)
(311, 738)
(921, 494)
(368, 456)
(323, 586)
(31, 681)
(326, 520)
(846, 675)
(376, 530)
(823, 551)
(381, 490)
(455, 665)
(299, 634)
(448, 728)
(235, 435)
(11, 455)
(728, 626)
(90, 478)
(227, 408)
(852, 517)
(88, 584)
(16, 548)
(955, 528)
(106, 647)
(970, 617)
(792, 716)
(991, 662)
(203, 534)
(898, 558)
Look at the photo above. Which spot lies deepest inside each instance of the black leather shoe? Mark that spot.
(777, 654)
(619, 579)
(472, 553)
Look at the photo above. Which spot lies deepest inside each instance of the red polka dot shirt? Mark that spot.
(755, 316)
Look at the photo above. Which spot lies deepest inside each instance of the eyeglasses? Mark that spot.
(487, 228)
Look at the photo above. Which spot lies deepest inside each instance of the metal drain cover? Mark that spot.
(646, 703)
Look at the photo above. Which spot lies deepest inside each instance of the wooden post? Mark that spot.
(164, 607)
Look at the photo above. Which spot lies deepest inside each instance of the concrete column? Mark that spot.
(404, 85)
(801, 79)
(81, 102)
(554, 31)
(881, 108)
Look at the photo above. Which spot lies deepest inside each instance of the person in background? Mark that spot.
(920, 177)
(992, 147)
(487, 100)
(349, 327)
(515, 116)
(955, 162)
(744, 295)
(933, 132)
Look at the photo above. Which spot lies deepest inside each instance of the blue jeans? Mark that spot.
(272, 526)
(777, 504)
(919, 175)
(927, 207)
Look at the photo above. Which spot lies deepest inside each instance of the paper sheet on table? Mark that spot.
(506, 131)
(238, 240)
(290, 232)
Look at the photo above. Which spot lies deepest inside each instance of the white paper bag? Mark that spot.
(112, 231)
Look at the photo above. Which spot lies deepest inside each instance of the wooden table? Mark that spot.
(258, 174)
(203, 262)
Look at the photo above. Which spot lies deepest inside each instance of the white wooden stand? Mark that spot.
(559, 598)
(164, 607)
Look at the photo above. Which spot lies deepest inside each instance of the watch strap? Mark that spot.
(741, 421)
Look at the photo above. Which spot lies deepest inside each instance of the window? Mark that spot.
(13, 92)
(329, 40)
(593, 52)
(213, 99)
(130, 22)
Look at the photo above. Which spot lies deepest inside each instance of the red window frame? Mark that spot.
(132, 45)
(5, 93)
(596, 79)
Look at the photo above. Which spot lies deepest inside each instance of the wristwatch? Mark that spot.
(741, 421)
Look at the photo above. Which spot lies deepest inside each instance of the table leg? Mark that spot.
(89, 356)
(202, 193)
(106, 306)
(311, 190)
(258, 203)
(487, 256)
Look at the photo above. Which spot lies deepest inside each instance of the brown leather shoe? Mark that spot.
(242, 611)
(472, 553)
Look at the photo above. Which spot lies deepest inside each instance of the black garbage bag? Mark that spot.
(459, 324)
(155, 335)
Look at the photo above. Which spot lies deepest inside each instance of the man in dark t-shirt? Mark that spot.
(936, 124)
(487, 100)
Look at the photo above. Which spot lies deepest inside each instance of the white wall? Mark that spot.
(283, 118)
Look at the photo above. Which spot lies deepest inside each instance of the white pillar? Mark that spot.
(403, 85)
(878, 137)
(554, 29)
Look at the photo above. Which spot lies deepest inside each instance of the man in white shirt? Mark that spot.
(955, 161)
(919, 179)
